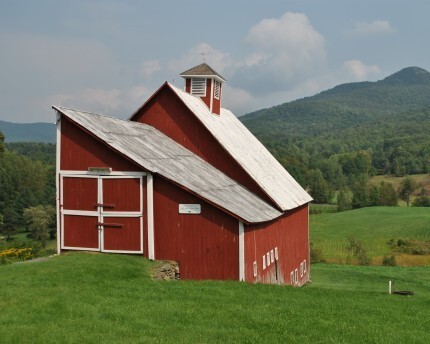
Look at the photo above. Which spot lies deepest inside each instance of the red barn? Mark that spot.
(181, 180)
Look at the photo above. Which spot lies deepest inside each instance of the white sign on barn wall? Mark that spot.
(190, 209)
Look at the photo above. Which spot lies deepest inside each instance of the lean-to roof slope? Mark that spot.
(249, 152)
(159, 154)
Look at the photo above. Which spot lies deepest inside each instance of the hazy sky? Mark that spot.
(110, 56)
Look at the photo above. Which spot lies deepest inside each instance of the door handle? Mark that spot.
(104, 205)
(106, 224)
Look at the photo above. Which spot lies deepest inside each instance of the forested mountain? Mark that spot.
(344, 106)
(28, 132)
(352, 131)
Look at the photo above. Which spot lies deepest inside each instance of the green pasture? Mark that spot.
(375, 226)
(102, 298)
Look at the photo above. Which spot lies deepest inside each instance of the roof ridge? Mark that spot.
(88, 112)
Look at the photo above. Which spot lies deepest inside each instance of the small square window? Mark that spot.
(304, 266)
(264, 261)
(268, 258)
(296, 276)
(276, 253)
(272, 256)
(292, 277)
(301, 269)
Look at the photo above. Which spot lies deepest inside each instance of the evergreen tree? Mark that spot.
(1, 142)
(10, 222)
(318, 187)
(360, 197)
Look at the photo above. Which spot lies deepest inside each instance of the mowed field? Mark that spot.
(103, 298)
(375, 227)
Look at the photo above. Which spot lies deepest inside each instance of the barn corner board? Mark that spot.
(183, 180)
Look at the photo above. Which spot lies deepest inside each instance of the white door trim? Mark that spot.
(241, 251)
(150, 214)
(100, 213)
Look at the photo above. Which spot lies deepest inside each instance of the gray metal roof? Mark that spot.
(157, 153)
(250, 153)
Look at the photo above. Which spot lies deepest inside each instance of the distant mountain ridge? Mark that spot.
(28, 132)
(344, 106)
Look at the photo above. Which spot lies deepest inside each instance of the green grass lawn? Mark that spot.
(102, 298)
(375, 226)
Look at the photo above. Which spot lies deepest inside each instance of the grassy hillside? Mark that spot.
(91, 298)
(375, 226)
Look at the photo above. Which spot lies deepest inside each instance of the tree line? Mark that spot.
(27, 188)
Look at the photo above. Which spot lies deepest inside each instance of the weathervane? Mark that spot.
(204, 54)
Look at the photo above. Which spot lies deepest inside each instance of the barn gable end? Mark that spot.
(167, 113)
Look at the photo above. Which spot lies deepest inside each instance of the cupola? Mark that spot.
(204, 82)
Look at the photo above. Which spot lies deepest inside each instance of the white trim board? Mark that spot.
(57, 180)
(241, 251)
(150, 214)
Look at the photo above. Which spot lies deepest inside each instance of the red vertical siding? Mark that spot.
(79, 151)
(205, 245)
(169, 115)
(121, 194)
(81, 231)
(290, 235)
(80, 194)
(125, 238)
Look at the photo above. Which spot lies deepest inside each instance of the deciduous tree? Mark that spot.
(41, 221)
(407, 187)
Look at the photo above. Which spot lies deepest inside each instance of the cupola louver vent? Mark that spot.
(198, 87)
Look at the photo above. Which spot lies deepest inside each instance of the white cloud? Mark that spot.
(377, 27)
(237, 99)
(148, 68)
(286, 51)
(115, 102)
(217, 59)
(358, 70)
